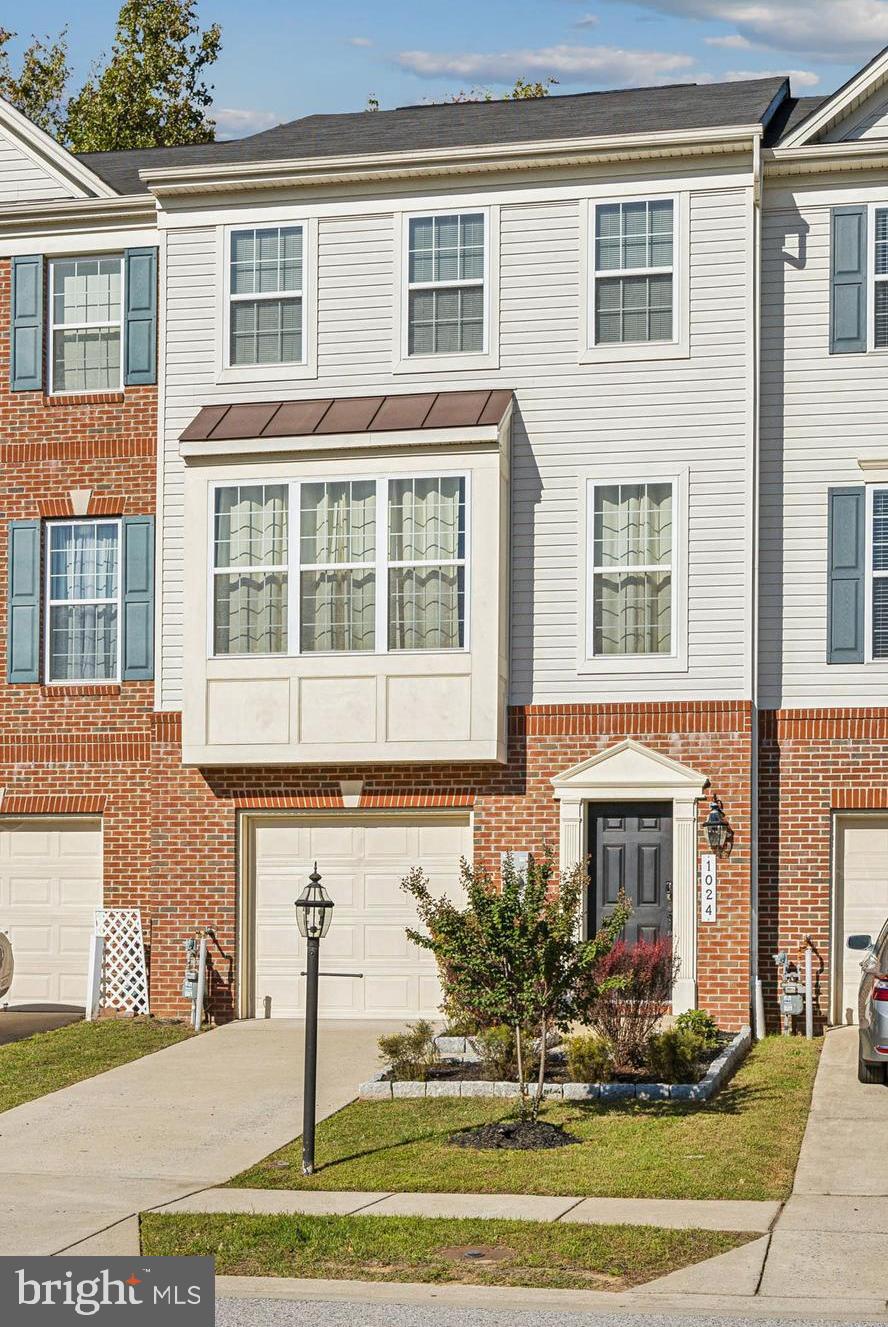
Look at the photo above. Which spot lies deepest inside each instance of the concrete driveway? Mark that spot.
(80, 1160)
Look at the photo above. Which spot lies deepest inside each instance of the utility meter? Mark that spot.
(192, 964)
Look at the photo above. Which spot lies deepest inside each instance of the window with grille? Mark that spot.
(427, 564)
(83, 601)
(634, 272)
(632, 572)
(880, 279)
(337, 565)
(445, 284)
(266, 305)
(86, 324)
(879, 539)
(250, 569)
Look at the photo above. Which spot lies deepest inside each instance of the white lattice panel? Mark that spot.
(124, 975)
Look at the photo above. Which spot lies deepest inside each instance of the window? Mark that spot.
(634, 272)
(380, 565)
(86, 324)
(266, 324)
(445, 284)
(83, 601)
(880, 278)
(879, 573)
(632, 569)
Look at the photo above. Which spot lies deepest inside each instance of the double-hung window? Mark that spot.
(631, 579)
(83, 601)
(86, 324)
(880, 280)
(634, 272)
(376, 565)
(266, 296)
(446, 284)
(879, 566)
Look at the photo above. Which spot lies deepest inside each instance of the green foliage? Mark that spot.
(674, 1056)
(705, 1026)
(38, 90)
(411, 1054)
(498, 1049)
(512, 954)
(522, 90)
(590, 1059)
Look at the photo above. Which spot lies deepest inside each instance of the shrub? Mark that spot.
(590, 1059)
(705, 1026)
(629, 993)
(674, 1056)
(411, 1054)
(498, 1051)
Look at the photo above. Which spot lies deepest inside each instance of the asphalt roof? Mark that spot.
(789, 114)
(467, 124)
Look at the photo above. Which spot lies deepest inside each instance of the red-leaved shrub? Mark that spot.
(627, 1014)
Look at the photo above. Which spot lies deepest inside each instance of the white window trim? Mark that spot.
(49, 603)
(870, 576)
(619, 666)
(679, 346)
(53, 327)
(488, 357)
(305, 368)
(871, 279)
(381, 565)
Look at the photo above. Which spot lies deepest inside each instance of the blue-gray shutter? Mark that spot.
(847, 313)
(140, 324)
(23, 604)
(847, 575)
(137, 636)
(26, 333)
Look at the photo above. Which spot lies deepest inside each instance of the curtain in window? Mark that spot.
(83, 572)
(338, 592)
(426, 527)
(250, 608)
(632, 609)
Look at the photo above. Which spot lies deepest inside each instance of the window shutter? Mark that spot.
(847, 575)
(26, 339)
(848, 281)
(140, 336)
(23, 634)
(137, 636)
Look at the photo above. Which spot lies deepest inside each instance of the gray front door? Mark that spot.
(630, 848)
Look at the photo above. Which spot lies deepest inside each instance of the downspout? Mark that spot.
(754, 470)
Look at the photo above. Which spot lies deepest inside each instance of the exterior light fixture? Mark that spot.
(314, 909)
(314, 913)
(718, 831)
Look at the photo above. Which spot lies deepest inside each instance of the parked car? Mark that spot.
(872, 1062)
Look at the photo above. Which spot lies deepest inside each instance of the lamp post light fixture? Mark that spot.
(718, 831)
(314, 913)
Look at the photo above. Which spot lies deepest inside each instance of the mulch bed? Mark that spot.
(513, 1135)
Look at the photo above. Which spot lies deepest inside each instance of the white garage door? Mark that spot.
(50, 886)
(862, 898)
(362, 859)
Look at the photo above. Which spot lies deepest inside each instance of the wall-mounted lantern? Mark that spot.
(718, 831)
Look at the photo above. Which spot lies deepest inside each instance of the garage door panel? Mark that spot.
(862, 898)
(29, 891)
(381, 841)
(329, 844)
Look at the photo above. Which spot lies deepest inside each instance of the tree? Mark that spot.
(38, 91)
(521, 91)
(513, 954)
(151, 92)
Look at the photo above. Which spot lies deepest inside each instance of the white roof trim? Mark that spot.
(861, 86)
(46, 152)
(627, 768)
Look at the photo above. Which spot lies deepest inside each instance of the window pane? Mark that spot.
(633, 308)
(426, 608)
(633, 235)
(338, 610)
(632, 613)
(632, 525)
(82, 642)
(86, 290)
(266, 331)
(881, 331)
(267, 260)
(83, 560)
(426, 519)
(338, 522)
(86, 360)
(881, 241)
(446, 321)
(250, 613)
(446, 248)
(880, 617)
(880, 530)
(251, 526)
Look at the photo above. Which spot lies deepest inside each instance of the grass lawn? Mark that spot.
(50, 1060)
(391, 1248)
(742, 1144)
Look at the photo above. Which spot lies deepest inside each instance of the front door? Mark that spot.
(630, 848)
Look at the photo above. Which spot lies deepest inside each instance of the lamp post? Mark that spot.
(314, 912)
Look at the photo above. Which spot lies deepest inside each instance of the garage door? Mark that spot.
(862, 898)
(362, 860)
(50, 886)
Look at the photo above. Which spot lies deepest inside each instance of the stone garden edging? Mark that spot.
(720, 1070)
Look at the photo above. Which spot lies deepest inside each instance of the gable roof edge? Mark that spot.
(43, 149)
(866, 80)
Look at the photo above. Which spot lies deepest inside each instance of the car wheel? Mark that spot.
(869, 1073)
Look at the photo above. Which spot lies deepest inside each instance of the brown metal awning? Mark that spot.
(348, 414)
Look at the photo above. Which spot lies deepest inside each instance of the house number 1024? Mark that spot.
(708, 888)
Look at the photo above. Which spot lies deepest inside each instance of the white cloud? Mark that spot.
(611, 66)
(733, 42)
(801, 78)
(831, 29)
(359, 41)
(233, 123)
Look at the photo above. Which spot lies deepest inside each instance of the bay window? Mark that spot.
(83, 601)
(250, 569)
(337, 565)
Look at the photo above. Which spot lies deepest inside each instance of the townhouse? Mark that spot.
(479, 434)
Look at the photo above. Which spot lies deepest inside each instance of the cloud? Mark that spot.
(233, 123)
(834, 30)
(611, 66)
(801, 78)
(587, 21)
(358, 41)
(733, 42)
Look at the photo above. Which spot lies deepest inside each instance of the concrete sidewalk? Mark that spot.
(186, 1118)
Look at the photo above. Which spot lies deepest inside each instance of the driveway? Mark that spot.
(80, 1160)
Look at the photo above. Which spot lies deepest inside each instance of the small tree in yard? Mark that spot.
(628, 994)
(513, 954)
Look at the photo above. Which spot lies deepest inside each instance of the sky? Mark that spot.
(285, 58)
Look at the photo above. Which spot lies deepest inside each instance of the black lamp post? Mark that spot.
(314, 912)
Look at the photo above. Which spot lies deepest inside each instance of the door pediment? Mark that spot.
(629, 769)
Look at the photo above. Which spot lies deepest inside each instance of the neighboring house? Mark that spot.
(462, 418)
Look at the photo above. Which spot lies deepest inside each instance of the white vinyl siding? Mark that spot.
(22, 180)
(86, 324)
